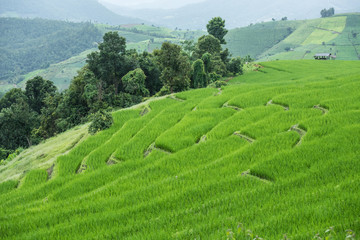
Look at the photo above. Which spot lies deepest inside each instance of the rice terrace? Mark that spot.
(273, 154)
(184, 120)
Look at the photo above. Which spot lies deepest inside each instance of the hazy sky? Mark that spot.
(151, 3)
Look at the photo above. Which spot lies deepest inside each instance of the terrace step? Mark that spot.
(226, 105)
(271, 102)
(321, 108)
(300, 131)
(247, 138)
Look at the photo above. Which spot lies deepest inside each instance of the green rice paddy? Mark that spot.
(276, 150)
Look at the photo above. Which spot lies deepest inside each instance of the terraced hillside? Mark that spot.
(276, 150)
(290, 40)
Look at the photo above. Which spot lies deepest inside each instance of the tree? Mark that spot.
(36, 90)
(216, 27)
(188, 47)
(152, 71)
(12, 96)
(74, 106)
(101, 120)
(48, 118)
(235, 66)
(208, 44)
(327, 12)
(175, 67)
(107, 64)
(206, 58)
(199, 75)
(134, 83)
(16, 124)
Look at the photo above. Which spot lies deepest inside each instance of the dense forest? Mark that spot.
(30, 44)
(113, 78)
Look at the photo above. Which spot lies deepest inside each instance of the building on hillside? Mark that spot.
(324, 56)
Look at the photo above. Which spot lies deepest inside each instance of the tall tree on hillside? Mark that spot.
(107, 64)
(175, 67)
(216, 27)
(36, 90)
(12, 96)
(16, 124)
(152, 71)
(199, 75)
(207, 44)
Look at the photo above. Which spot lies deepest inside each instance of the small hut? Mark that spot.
(323, 56)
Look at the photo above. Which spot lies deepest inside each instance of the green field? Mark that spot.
(338, 35)
(294, 40)
(276, 150)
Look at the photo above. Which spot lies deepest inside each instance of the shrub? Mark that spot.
(100, 121)
(218, 84)
(165, 90)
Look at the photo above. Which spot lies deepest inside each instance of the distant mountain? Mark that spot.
(237, 13)
(79, 11)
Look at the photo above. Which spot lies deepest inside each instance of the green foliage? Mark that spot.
(327, 12)
(9, 155)
(214, 77)
(152, 71)
(206, 58)
(165, 90)
(108, 63)
(189, 47)
(235, 66)
(134, 83)
(199, 75)
(218, 84)
(216, 27)
(101, 120)
(175, 67)
(4, 153)
(208, 44)
(12, 96)
(30, 44)
(36, 90)
(16, 124)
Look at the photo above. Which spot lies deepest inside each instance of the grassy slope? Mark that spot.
(60, 73)
(320, 35)
(179, 172)
(269, 41)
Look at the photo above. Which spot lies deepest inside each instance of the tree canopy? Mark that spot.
(175, 67)
(216, 27)
(327, 12)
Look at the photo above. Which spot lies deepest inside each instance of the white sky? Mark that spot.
(151, 3)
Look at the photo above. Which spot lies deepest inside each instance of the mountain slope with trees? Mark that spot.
(27, 45)
(78, 11)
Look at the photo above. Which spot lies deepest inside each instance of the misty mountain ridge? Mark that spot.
(76, 11)
(237, 13)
